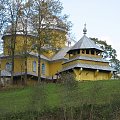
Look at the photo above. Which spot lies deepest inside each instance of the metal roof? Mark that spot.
(89, 66)
(5, 73)
(85, 43)
(61, 54)
(87, 58)
(31, 53)
(36, 55)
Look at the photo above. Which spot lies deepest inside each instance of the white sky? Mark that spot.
(101, 16)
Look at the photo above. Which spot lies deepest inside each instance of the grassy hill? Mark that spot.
(48, 97)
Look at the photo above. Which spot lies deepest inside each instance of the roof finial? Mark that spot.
(84, 30)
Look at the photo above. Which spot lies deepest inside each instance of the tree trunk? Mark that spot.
(25, 77)
(12, 71)
(0, 70)
(25, 43)
(39, 71)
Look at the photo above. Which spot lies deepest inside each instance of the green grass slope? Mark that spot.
(58, 95)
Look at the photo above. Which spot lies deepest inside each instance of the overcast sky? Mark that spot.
(101, 16)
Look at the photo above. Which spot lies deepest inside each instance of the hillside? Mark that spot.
(63, 96)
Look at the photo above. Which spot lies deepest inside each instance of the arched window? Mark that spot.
(34, 66)
(43, 68)
(9, 66)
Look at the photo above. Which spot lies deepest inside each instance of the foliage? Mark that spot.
(109, 53)
(41, 19)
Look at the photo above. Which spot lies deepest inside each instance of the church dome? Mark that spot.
(85, 43)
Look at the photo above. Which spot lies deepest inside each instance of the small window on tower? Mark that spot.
(97, 52)
(78, 52)
(83, 51)
(87, 51)
(92, 52)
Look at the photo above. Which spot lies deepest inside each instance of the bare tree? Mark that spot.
(12, 14)
(25, 20)
(46, 17)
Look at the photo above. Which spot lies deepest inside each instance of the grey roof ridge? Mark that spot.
(96, 67)
(35, 55)
(60, 53)
(82, 43)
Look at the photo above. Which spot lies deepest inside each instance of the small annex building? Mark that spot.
(84, 59)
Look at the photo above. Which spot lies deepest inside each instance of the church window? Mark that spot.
(9, 66)
(78, 52)
(34, 66)
(43, 68)
(83, 51)
(92, 52)
(87, 51)
(97, 52)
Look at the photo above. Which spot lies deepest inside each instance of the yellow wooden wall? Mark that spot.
(91, 74)
(51, 68)
(85, 62)
(55, 67)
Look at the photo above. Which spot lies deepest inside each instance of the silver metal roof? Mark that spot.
(5, 73)
(89, 66)
(31, 53)
(85, 43)
(61, 54)
(87, 58)
(36, 55)
(35, 74)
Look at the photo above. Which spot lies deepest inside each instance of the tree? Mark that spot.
(9, 14)
(46, 17)
(25, 21)
(108, 53)
(12, 11)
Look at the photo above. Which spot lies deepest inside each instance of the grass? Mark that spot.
(55, 95)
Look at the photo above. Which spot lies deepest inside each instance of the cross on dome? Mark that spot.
(84, 30)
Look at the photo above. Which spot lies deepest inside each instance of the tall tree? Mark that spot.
(12, 13)
(109, 53)
(46, 17)
(25, 21)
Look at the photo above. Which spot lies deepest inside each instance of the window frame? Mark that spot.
(34, 66)
(43, 68)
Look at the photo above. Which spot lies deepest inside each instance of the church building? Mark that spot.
(84, 60)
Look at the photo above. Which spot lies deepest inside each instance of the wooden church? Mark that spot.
(86, 62)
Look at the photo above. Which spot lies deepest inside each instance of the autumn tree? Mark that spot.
(46, 17)
(9, 12)
(26, 26)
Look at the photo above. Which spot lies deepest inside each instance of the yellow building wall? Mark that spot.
(57, 40)
(19, 46)
(30, 66)
(20, 67)
(75, 54)
(49, 53)
(55, 67)
(17, 64)
(91, 75)
(85, 62)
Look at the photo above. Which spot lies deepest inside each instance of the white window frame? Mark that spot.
(34, 66)
(43, 68)
(8, 66)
